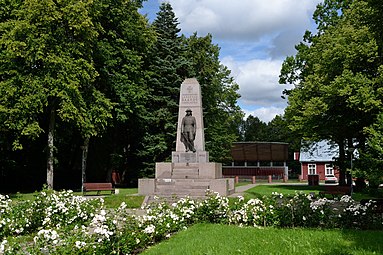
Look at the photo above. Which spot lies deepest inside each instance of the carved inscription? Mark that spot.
(188, 157)
(189, 99)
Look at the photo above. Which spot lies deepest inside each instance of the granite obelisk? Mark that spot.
(190, 172)
(190, 99)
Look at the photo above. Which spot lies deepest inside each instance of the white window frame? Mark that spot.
(329, 169)
(311, 167)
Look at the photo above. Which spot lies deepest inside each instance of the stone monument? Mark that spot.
(190, 173)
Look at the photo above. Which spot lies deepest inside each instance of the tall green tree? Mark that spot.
(47, 72)
(222, 115)
(255, 130)
(167, 66)
(335, 72)
(371, 159)
(121, 54)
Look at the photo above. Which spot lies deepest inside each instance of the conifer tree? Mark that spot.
(222, 115)
(167, 67)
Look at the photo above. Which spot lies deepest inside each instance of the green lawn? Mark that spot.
(289, 189)
(212, 239)
(127, 195)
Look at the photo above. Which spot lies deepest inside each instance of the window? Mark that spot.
(312, 168)
(329, 169)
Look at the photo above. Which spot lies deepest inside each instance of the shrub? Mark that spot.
(66, 224)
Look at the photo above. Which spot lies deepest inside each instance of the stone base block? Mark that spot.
(164, 170)
(210, 170)
(223, 186)
(146, 186)
(182, 187)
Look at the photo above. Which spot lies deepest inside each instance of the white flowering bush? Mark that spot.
(63, 209)
(16, 220)
(214, 208)
(48, 210)
(356, 215)
(9, 248)
(61, 223)
(254, 213)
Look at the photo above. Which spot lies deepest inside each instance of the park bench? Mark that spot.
(88, 186)
(336, 191)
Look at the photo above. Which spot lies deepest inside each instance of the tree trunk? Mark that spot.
(50, 158)
(83, 162)
(342, 166)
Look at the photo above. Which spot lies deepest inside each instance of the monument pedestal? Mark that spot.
(206, 170)
(189, 173)
(190, 179)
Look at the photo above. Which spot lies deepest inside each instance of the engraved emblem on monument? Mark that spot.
(189, 98)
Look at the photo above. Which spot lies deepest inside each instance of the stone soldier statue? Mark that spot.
(188, 131)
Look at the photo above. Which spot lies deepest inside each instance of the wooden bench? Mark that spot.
(336, 191)
(101, 186)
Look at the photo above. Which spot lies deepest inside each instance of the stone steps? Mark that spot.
(169, 199)
(181, 192)
(192, 187)
(180, 183)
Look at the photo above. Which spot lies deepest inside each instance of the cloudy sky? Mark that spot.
(255, 37)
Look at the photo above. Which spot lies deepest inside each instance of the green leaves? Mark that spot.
(339, 70)
(98, 69)
(337, 73)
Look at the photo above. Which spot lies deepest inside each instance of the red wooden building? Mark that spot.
(318, 159)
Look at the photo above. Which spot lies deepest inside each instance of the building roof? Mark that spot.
(259, 151)
(322, 151)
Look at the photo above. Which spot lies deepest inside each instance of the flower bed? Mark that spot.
(61, 223)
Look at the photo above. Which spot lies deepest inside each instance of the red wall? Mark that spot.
(320, 168)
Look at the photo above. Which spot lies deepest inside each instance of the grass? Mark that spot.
(23, 196)
(212, 239)
(265, 190)
(127, 195)
(242, 183)
(130, 197)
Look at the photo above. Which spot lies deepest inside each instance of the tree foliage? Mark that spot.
(253, 129)
(46, 69)
(121, 55)
(95, 75)
(371, 159)
(222, 115)
(336, 73)
(167, 65)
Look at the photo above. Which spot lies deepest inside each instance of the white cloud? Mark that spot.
(258, 81)
(265, 114)
(245, 19)
(255, 36)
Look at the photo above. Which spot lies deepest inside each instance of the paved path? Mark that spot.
(241, 189)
